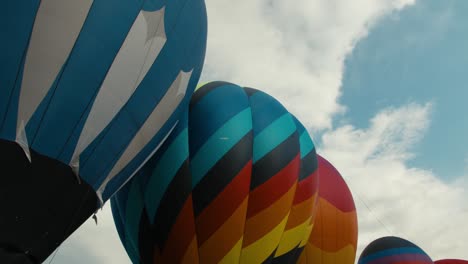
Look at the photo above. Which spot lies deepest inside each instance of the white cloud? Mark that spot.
(392, 198)
(294, 51)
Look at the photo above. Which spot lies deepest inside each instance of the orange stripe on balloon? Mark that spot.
(181, 235)
(333, 229)
(259, 225)
(222, 207)
(191, 255)
(314, 255)
(225, 238)
(266, 194)
(301, 213)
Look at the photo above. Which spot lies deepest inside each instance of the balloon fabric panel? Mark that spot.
(335, 230)
(87, 96)
(393, 250)
(245, 154)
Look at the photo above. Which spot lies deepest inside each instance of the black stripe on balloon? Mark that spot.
(171, 204)
(222, 173)
(269, 260)
(250, 91)
(384, 243)
(309, 165)
(275, 161)
(145, 247)
(205, 89)
(288, 257)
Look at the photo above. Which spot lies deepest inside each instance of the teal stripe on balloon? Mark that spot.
(165, 171)
(133, 216)
(306, 144)
(220, 143)
(273, 135)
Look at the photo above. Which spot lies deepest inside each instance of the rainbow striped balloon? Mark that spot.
(334, 236)
(393, 250)
(236, 182)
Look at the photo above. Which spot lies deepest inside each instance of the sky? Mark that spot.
(379, 84)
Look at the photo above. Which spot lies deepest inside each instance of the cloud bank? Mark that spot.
(294, 51)
(392, 198)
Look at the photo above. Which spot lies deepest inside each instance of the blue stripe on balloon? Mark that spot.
(8, 129)
(272, 136)
(95, 49)
(390, 252)
(132, 166)
(219, 144)
(118, 216)
(153, 5)
(200, 129)
(266, 108)
(160, 76)
(17, 20)
(165, 170)
(133, 212)
(306, 143)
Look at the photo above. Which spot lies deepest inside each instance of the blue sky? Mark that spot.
(381, 87)
(417, 55)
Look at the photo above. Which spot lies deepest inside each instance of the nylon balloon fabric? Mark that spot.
(236, 184)
(88, 91)
(451, 261)
(393, 250)
(335, 233)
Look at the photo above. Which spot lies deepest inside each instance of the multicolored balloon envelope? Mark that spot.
(451, 261)
(393, 250)
(335, 232)
(237, 185)
(88, 91)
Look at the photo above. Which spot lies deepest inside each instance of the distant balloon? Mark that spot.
(393, 250)
(88, 91)
(451, 261)
(237, 185)
(335, 232)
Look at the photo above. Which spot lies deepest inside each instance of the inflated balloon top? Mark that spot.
(89, 90)
(236, 184)
(451, 261)
(393, 250)
(335, 232)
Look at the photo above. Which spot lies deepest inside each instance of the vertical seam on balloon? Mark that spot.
(251, 173)
(322, 240)
(90, 102)
(25, 51)
(58, 78)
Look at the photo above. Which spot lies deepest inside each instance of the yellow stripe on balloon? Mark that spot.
(261, 249)
(226, 237)
(292, 238)
(307, 232)
(233, 255)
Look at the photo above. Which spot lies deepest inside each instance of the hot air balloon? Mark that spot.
(237, 184)
(335, 231)
(393, 250)
(88, 91)
(451, 261)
